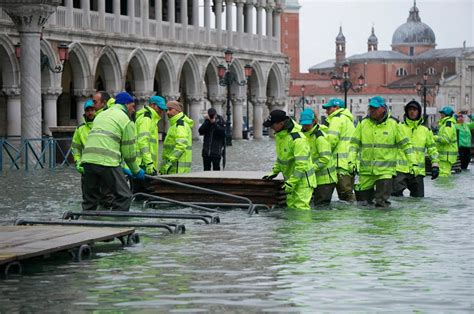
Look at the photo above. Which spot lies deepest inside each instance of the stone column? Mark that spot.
(258, 117)
(13, 111)
(269, 10)
(117, 15)
(228, 21)
(240, 24)
(131, 16)
(158, 18)
(86, 14)
(218, 13)
(249, 17)
(196, 20)
(237, 117)
(259, 24)
(277, 26)
(80, 100)
(217, 102)
(184, 19)
(194, 112)
(462, 101)
(145, 17)
(171, 19)
(50, 110)
(29, 19)
(101, 7)
(69, 15)
(207, 19)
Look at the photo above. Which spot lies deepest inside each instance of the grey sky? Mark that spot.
(451, 21)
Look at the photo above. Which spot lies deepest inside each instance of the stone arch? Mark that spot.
(275, 82)
(107, 71)
(10, 106)
(80, 67)
(49, 80)
(140, 71)
(210, 77)
(164, 76)
(191, 72)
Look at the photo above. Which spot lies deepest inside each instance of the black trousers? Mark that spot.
(408, 181)
(96, 178)
(323, 193)
(465, 156)
(214, 161)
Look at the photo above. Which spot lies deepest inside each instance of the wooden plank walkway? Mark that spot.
(242, 183)
(22, 242)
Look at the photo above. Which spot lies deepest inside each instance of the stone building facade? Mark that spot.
(166, 47)
(393, 73)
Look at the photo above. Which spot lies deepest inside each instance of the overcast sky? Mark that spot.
(451, 21)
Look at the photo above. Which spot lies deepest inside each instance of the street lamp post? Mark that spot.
(344, 84)
(44, 60)
(226, 79)
(301, 101)
(423, 90)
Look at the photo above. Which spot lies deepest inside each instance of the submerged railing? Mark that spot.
(37, 153)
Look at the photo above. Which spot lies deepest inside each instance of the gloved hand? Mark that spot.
(127, 172)
(288, 188)
(140, 175)
(165, 168)
(150, 169)
(270, 176)
(80, 168)
(434, 172)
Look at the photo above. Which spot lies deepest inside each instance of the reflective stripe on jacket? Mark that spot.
(111, 139)
(446, 140)
(177, 147)
(323, 162)
(294, 156)
(146, 122)
(378, 144)
(79, 140)
(422, 140)
(340, 131)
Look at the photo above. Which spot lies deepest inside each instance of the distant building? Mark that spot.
(392, 74)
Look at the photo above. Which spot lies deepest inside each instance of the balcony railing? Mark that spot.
(198, 35)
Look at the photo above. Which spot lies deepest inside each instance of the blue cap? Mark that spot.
(307, 117)
(377, 102)
(123, 98)
(447, 110)
(159, 101)
(89, 103)
(334, 102)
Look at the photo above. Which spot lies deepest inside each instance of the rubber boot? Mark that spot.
(365, 197)
(383, 189)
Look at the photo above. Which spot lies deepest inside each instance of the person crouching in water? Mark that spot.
(323, 162)
(293, 160)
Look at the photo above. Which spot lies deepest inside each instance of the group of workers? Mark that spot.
(115, 142)
(387, 156)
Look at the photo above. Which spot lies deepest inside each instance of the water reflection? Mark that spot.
(417, 256)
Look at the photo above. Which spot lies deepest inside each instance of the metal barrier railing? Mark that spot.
(47, 152)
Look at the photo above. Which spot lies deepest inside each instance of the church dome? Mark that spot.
(413, 32)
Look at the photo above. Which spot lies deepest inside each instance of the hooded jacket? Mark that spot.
(79, 140)
(422, 140)
(446, 140)
(146, 121)
(340, 130)
(177, 147)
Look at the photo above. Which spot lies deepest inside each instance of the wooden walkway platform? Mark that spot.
(242, 183)
(23, 242)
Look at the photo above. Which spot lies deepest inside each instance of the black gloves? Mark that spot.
(270, 176)
(434, 172)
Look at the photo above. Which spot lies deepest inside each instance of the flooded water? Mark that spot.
(416, 256)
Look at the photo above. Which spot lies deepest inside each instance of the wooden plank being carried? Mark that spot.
(242, 183)
(22, 242)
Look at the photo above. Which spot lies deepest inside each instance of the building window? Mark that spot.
(453, 100)
(401, 72)
(417, 71)
(390, 100)
(351, 101)
(323, 101)
(445, 70)
(404, 100)
(466, 99)
(431, 71)
(412, 51)
(360, 100)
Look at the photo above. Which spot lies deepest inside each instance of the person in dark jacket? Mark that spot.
(213, 130)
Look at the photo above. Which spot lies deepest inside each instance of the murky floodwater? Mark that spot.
(419, 255)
